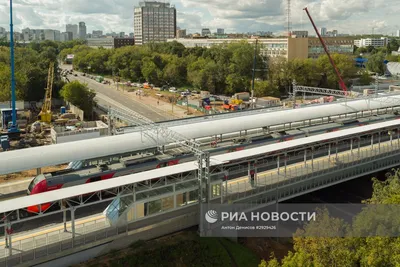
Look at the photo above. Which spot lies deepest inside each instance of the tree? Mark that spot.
(79, 95)
(365, 78)
(375, 63)
(369, 239)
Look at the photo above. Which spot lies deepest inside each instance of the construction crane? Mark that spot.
(341, 82)
(45, 115)
(13, 127)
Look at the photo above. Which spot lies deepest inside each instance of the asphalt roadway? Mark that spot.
(108, 96)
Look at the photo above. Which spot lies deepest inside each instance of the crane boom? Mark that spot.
(341, 82)
(45, 115)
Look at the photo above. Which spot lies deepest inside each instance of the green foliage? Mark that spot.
(79, 95)
(365, 78)
(221, 69)
(31, 69)
(375, 63)
(377, 222)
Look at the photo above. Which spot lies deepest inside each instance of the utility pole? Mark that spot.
(254, 71)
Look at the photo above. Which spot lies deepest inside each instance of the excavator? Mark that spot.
(45, 114)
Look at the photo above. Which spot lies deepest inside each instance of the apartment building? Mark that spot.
(154, 22)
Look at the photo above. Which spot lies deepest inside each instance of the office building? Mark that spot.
(107, 42)
(154, 22)
(66, 36)
(73, 28)
(82, 31)
(181, 33)
(398, 33)
(338, 45)
(375, 42)
(322, 31)
(121, 35)
(220, 31)
(299, 34)
(97, 34)
(126, 41)
(205, 32)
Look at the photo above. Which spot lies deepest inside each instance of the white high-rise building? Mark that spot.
(398, 33)
(82, 30)
(73, 28)
(154, 22)
(322, 31)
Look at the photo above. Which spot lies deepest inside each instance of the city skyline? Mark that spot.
(350, 17)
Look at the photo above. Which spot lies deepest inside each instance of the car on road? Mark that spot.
(173, 90)
(83, 74)
(76, 75)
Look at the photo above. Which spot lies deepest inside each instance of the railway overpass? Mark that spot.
(282, 171)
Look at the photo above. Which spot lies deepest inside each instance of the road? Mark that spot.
(108, 96)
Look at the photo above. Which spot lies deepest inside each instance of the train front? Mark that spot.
(37, 185)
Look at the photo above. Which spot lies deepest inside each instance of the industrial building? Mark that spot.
(154, 22)
(375, 42)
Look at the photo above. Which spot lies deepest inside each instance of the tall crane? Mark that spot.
(341, 82)
(14, 127)
(45, 115)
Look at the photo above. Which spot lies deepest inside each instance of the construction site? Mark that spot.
(44, 123)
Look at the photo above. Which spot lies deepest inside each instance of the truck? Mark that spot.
(100, 79)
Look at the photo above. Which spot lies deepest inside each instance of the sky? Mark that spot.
(235, 16)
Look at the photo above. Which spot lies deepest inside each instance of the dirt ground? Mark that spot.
(18, 176)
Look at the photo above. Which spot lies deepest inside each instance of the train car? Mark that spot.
(319, 129)
(71, 177)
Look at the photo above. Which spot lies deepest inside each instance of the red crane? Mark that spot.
(341, 82)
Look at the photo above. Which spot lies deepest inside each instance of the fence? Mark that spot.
(79, 112)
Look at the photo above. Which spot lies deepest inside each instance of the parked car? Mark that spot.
(183, 94)
(173, 90)
(164, 88)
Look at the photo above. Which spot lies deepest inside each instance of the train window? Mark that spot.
(95, 179)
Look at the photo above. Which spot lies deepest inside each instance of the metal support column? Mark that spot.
(379, 142)
(391, 138)
(312, 159)
(372, 141)
(255, 173)
(337, 144)
(277, 161)
(359, 145)
(65, 220)
(285, 163)
(5, 236)
(329, 152)
(305, 157)
(351, 146)
(38, 171)
(73, 225)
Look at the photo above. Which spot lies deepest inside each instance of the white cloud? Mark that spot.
(349, 16)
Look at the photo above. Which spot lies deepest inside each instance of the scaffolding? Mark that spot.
(349, 95)
(159, 134)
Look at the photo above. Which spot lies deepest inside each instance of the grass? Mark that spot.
(185, 249)
(242, 255)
